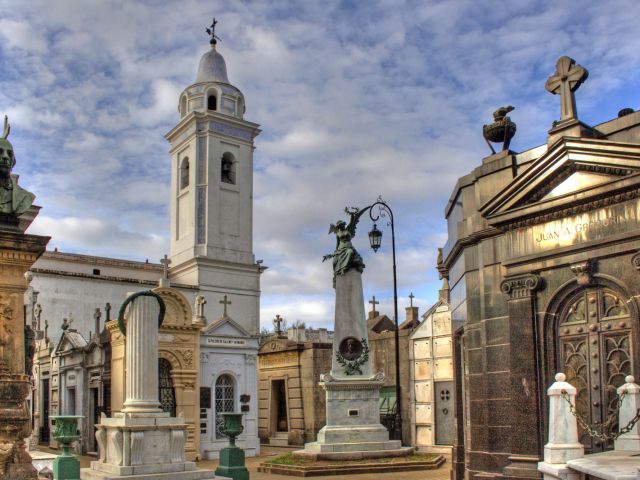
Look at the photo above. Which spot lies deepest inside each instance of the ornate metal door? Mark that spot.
(444, 413)
(595, 353)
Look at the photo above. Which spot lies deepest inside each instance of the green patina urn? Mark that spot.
(232, 426)
(65, 432)
(231, 457)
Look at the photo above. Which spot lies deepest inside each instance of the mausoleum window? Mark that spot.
(184, 173)
(225, 400)
(228, 169)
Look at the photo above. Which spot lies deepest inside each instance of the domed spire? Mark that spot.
(212, 66)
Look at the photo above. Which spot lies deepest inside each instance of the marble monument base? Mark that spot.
(353, 428)
(147, 446)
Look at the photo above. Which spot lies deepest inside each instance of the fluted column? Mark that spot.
(141, 388)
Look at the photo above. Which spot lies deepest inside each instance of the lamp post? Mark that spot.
(375, 239)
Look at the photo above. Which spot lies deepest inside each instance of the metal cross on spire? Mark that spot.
(566, 80)
(212, 31)
(411, 297)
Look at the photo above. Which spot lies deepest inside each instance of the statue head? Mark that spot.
(341, 224)
(7, 157)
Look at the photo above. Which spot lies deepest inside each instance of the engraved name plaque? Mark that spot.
(574, 230)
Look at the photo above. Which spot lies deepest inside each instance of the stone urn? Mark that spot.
(232, 426)
(65, 432)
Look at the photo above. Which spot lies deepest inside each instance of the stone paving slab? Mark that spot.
(442, 473)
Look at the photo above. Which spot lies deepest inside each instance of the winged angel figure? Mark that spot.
(345, 257)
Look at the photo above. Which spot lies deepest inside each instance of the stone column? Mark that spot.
(628, 409)
(525, 415)
(142, 356)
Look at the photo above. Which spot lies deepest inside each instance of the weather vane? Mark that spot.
(212, 31)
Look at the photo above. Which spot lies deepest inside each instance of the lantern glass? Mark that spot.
(375, 238)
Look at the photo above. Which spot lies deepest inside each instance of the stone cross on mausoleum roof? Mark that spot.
(225, 302)
(566, 80)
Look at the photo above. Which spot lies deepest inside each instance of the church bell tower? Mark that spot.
(212, 193)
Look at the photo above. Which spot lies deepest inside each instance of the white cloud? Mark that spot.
(355, 101)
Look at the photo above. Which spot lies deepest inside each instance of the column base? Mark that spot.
(147, 444)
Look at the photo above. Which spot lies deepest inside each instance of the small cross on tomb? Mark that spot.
(566, 80)
(373, 302)
(411, 297)
(225, 302)
(277, 322)
(107, 308)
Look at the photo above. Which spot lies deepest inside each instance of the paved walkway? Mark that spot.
(252, 465)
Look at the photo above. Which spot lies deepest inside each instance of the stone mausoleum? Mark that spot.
(291, 402)
(543, 261)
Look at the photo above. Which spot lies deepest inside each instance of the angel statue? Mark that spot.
(345, 257)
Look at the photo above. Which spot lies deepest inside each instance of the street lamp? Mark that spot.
(375, 239)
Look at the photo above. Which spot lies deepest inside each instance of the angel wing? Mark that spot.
(355, 214)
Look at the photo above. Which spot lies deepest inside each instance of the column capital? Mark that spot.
(521, 286)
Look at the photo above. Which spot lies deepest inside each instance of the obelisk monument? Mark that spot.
(353, 428)
(18, 252)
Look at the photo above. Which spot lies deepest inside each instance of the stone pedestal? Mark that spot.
(18, 252)
(353, 429)
(142, 442)
(629, 441)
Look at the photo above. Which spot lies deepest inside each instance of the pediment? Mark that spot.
(70, 340)
(225, 326)
(570, 173)
(277, 344)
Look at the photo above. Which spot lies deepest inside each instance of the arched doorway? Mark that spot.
(224, 400)
(165, 383)
(595, 332)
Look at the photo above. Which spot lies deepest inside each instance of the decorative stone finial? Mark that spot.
(212, 32)
(501, 130)
(566, 80)
(560, 377)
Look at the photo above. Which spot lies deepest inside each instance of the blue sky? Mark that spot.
(355, 100)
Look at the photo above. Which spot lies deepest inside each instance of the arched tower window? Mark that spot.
(167, 394)
(212, 102)
(225, 400)
(228, 169)
(184, 173)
